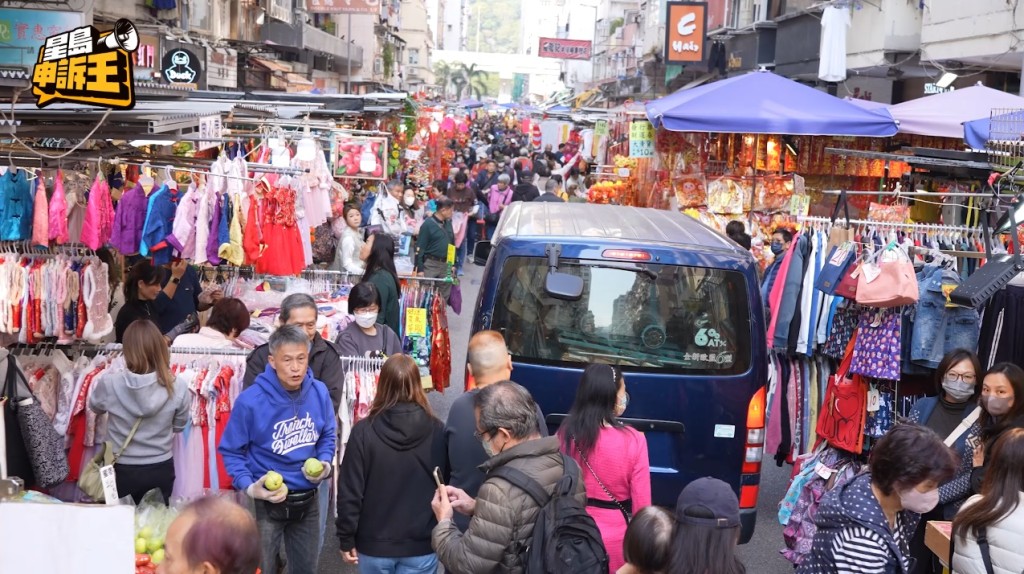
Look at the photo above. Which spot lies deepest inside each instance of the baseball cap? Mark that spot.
(708, 496)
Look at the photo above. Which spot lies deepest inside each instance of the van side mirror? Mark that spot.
(481, 252)
(563, 286)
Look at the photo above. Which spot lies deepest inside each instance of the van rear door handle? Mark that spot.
(642, 425)
(645, 425)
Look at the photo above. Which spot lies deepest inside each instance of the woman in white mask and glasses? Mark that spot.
(951, 414)
(365, 337)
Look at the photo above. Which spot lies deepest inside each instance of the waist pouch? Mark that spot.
(294, 508)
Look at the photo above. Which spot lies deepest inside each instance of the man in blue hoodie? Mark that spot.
(283, 420)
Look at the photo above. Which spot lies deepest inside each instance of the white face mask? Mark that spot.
(366, 320)
(410, 201)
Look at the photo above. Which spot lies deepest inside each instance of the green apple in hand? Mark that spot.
(313, 467)
(140, 545)
(274, 481)
(157, 557)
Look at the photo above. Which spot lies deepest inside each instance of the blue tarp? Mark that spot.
(765, 103)
(470, 104)
(977, 133)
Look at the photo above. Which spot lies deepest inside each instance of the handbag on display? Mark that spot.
(844, 323)
(889, 281)
(838, 261)
(847, 286)
(841, 233)
(844, 408)
(43, 444)
(877, 352)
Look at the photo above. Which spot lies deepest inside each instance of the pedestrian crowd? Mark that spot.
(493, 488)
(496, 168)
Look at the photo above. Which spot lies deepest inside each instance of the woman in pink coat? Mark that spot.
(612, 457)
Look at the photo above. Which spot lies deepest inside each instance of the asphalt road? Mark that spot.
(760, 555)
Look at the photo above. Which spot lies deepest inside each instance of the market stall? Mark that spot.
(749, 148)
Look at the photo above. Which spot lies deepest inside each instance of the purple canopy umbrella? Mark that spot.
(765, 103)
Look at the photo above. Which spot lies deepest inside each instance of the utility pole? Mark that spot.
(479, 6)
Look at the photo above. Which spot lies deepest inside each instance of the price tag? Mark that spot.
(823, 471)
(109, 481)
(874, 400)
(871, 271)
(416, 322)
(451, 255)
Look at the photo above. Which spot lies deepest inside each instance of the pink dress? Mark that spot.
(620, 458)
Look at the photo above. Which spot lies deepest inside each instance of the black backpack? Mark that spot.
(565, 538)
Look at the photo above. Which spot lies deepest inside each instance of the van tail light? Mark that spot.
(753, 451)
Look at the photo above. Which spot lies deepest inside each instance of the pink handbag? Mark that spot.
(889, 281)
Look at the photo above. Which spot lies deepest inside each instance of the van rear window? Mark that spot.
(643, 316)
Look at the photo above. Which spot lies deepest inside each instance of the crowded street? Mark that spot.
(511, 286)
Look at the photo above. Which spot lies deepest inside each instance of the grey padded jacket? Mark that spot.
(504, 516)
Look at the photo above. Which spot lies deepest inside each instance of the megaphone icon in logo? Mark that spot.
(123, 36)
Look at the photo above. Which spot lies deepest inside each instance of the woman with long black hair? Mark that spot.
(379, 254)
(1002, 403)
(612, 456)
(998, 513)
(707, 529)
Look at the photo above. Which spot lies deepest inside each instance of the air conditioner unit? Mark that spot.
(378, 65)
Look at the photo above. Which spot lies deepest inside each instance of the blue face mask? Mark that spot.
(777, 247)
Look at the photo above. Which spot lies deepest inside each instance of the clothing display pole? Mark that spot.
(914, 226)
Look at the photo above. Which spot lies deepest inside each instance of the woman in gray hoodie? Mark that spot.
(146, 406)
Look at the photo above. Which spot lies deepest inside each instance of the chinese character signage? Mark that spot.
(181, 66)
(146, 58)
(209, 127)
(641, 139)
(685, 29)
(23, 31)
(343, 6)
(564, 49)
(87, 66)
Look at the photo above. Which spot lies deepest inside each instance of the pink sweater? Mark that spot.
(620, 458)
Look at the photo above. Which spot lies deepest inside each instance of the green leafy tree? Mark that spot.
(443, 74)
(495, 26)
(474, 79)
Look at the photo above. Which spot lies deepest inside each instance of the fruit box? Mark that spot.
(936, 537)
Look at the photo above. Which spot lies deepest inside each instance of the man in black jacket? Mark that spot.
(489, 363)
(525, 191)
(550, 192)
(300, 309)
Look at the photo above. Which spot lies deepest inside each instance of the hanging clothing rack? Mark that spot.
(248, 272)
(350, 360)
(117, 347)
(935, 195)
(915, 226)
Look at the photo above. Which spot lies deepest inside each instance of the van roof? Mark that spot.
(627, 224)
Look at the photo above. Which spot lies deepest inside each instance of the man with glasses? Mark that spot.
(489, 363)
(503, 517)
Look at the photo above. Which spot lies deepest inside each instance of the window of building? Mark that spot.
(200, 14)
(414, 56)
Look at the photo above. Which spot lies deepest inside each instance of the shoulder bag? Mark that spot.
(625, 506)
(89, 482)
(43, 444)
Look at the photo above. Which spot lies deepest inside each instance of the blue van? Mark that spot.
(673, 303)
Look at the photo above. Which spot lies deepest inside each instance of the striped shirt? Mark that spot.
(860, 550)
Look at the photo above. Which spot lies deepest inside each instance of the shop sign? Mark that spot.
(343, 6)
(601, 128)
(180, 66)
(564, 49)
(685, 32)
(359, 156)
(145, 57)
(209, 127)
(735, 61)
(641, 139)
(222, 67)
(87, 66)
(23, 31)
(930, 89)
